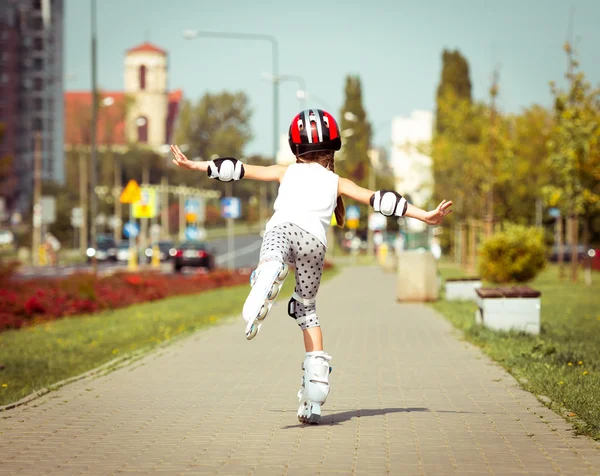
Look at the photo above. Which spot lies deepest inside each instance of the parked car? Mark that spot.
(106, 249)
(166, 250)
(583, 253)
(193, 253)
(123, 251)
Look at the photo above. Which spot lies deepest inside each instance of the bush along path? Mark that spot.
(24, 303)
(561, 365)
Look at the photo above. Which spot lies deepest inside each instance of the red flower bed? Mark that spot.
(35, 300)
(26, 302)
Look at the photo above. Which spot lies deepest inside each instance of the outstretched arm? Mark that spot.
(255, 172)
(349, 189)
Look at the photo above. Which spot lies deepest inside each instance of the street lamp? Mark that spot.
(193, 34)
(303, 94)
(289, 77)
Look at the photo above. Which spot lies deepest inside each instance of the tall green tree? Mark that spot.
(455, 79)
(356, 134)
(571, 146)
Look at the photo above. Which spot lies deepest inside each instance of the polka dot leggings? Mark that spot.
(290, 243)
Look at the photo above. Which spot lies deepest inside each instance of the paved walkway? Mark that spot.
(408, 397)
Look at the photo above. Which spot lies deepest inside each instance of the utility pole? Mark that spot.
(490, 195)
(371, 185)
(144, 231)
(116, 195)
(83, 201)
(94, 124)
(181, 215)
(164, 207)
(36, 240)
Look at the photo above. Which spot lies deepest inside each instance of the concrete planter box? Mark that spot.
(462, 289)
(509, 309)
(416, 277)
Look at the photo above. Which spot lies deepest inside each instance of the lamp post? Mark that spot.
(293, 78)
(192, 34)
(94, 125)
(303, 95)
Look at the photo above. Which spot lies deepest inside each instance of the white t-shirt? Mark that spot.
(307, 197)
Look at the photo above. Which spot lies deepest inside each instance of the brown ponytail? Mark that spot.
(326, 160)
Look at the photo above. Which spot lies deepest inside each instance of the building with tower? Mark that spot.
(144, 113)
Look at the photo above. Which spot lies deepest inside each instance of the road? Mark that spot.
(244, 255)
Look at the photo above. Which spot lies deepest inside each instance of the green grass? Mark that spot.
(563, 362)
(37, 357)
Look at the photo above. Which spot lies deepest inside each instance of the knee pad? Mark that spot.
(310, 320)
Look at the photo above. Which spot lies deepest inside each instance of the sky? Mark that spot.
(394, 46)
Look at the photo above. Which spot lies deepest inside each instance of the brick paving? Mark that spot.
(408, 397)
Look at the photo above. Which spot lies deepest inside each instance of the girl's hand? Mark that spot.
(182, 161)
(435, 217)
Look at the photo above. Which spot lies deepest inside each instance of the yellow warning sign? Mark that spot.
(145, 207)
(132, 193)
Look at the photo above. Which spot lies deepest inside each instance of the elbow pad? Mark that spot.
(389, 203)
(225, 169)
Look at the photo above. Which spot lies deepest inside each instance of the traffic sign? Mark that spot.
(48, 209)
(352, 223)
(194, 210)
(76, 217)
(132, 193)
(230, 207)
(146, 206)
(131, 229)
(194, 234)
(352, 212)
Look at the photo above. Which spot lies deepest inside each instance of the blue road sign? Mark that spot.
(192, 233)
(131, 229)
(352, 212)
(230, 207)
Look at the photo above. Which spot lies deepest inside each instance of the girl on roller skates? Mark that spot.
(309, 193)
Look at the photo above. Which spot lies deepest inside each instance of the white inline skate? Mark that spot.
(315, 386)
(266, 281)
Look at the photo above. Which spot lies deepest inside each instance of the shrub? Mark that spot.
(515, 254)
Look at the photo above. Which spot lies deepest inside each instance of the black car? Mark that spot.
(166, 250)
(106, 249)
(195, 254)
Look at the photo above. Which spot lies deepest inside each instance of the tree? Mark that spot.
(570, 146)
(352, 161)
(523, 168)
(218, 124)
(455, 79)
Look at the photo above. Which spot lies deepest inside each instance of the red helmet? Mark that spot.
(313, 130)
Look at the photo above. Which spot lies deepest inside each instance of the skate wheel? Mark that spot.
(283, 273)
(252, 333)
(263, 313)
(273, 292)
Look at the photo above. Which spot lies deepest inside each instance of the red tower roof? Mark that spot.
(147, 47)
